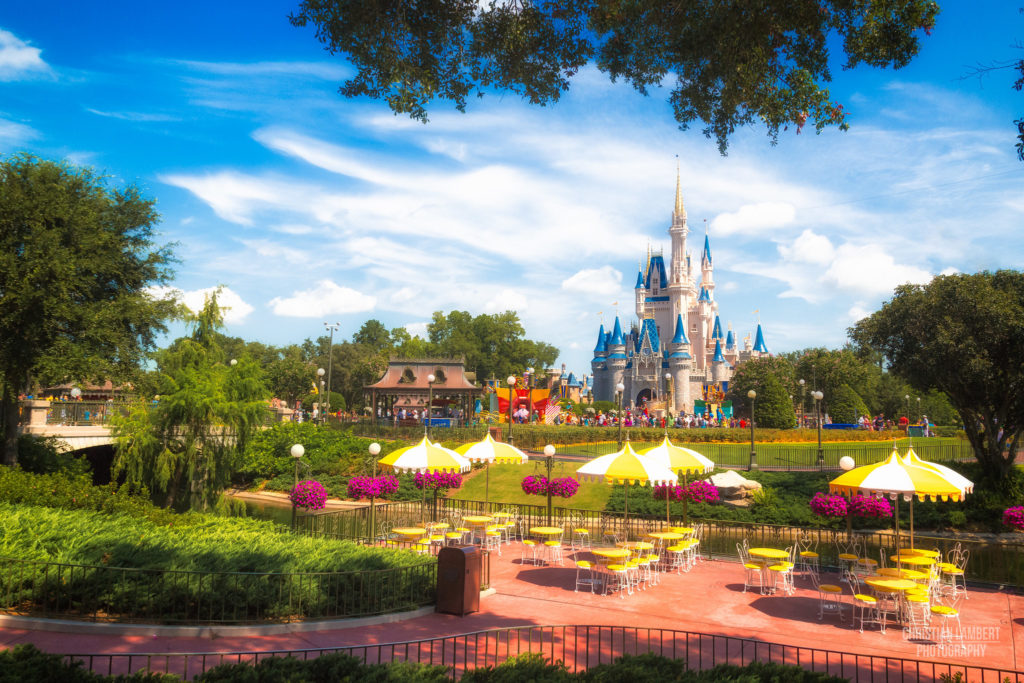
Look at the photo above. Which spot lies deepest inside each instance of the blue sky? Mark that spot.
(308, 207)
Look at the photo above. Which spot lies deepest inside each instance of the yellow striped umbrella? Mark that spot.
(684, 461)
(425, 457)
(487, 450)
(952, 476)
(627, 467)
(895, 478)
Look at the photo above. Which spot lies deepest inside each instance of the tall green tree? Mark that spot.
(727, 63)
(186, 446)
(962, 335)
(771, 378)
(76, 259)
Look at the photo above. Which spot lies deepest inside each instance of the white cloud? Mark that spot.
(234, 309)
(417, 329)
(506, 300)
(14, 134)
(601, 281)
(869, 269)
(327, 298)
(321, 70)
(403, 295)
(754, 219)
(141, 117)
(808, 248)
(858, 312)
(18, 60)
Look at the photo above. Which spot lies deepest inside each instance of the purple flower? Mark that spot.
(309, 495)
(829, 505)
(438, 481)
(372, 487)
(535, 486)
(1014, 517)
(566, 487)
(867, 506)
(699, 491)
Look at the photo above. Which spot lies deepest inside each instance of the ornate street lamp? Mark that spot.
(511, 381)
(906, 397)
(817, 396)
(670, 399)
(803, 410)
(529, 393)
(297, 452)
(234, 362)
(752, 395)
(323, 412)
(549, 455)
(430, 403)
(374, 452)
(620, 389)
(331, 327)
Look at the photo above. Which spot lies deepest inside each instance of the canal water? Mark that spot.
(282, 514)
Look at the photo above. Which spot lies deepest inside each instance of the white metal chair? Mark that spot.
(753, 572)
(830, 597)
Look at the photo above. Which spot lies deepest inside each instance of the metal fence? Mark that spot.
(991, 562)
(580, 648)
(84, 413)
(100, 593)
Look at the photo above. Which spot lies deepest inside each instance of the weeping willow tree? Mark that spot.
(185, 444)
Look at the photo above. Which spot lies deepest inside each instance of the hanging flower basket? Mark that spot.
(437, 481)
(699, 491)
(309, 495)
(1014, 517)
(868, 506)
(829, 505)
(564, 487)
(372, 487)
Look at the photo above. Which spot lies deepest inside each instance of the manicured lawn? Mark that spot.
(506, 479)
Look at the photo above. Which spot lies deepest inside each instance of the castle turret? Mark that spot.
(759, 346)
(641, 292)
(678, 268)
(597, 365)
(679, 363)
(718, 364)
(707, 279)
(616, 362)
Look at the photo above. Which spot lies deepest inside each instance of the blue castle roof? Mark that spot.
(719, 358)
(716, 332)
(704, 296)
(649, 334)
(759, 344)
(617, 339)
(657, 263)
(639, 280)
(706, 255)
(730, 340)
(679, 354)
(602, 342)
(680, 335)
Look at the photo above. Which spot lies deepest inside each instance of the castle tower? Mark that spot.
(616, 362)
(679, 363)
(760, 348)
(641, 292)
(719, 367)
(707, 279)
(678, 275)
(598, 364)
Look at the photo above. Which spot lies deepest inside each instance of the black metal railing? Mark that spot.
(84, 413)
(100, 593)
(580, 648)
(995, 562)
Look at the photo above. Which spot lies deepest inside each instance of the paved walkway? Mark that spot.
(709, 599)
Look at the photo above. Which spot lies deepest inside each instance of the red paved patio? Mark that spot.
(709, 599)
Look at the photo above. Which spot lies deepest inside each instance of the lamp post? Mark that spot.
(620, 389)
(906, 397)
(752, 395)
(817, 396)
(374, 452)
(430, 402)
(529, 394)
(803, 410)
(297, 452)
(549, 455)
(320, 377)
(331, 327)
(918, 407)
(670, 399)
(511, 381)
(234, 362)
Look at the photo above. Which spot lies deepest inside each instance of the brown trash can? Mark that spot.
(459, 569)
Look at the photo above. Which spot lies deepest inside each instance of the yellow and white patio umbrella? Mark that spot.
(684, 461)
(895, 478)
(487, 450)
(627, 467)
(425, 457)
(952, 476)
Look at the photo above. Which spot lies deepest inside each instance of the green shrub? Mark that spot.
(26, 663)
(43, 455)
(525, 668)
(846, 405)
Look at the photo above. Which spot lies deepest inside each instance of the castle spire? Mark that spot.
(680, 209)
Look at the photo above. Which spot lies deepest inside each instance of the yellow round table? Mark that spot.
(636, 545)
(681, 530)
(888, 584)
(410, 531)
(893, 573)
(769, 553)
(667, 535)
(919, 551)
(545, 530)
(436, 525)
(477, 519)
(610, 553)
(914, 560)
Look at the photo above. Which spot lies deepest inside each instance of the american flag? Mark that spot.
(551, 412)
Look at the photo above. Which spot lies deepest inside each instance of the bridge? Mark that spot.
(85, 424)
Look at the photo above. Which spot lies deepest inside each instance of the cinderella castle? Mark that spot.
(696, 365)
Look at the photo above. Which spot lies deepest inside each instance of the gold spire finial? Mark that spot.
(680, 209)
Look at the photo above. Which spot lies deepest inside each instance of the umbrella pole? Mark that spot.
(487, 483)
(912, 523)
(686, 500)
(896, 515)
(626, 519)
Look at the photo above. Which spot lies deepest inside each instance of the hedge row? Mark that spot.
(26, 663)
